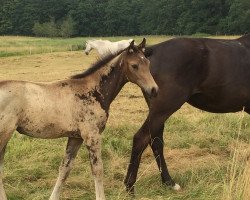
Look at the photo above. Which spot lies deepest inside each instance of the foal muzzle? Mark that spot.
(152, 92)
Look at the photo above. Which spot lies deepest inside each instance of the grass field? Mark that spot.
(18, 46)
(207, 154)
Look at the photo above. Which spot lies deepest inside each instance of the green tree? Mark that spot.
(123, 17)
(88, 16)
(47, 29)
(6, 13)
(201, 16)
(148, 17)
(238, 19)
(67, 28)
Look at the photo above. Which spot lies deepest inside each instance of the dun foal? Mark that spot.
(76, 108)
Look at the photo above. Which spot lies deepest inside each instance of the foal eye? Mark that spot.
(135, 66)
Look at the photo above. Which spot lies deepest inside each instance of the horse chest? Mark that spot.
(91, 114)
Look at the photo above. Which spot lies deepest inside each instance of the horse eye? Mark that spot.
(135, 66)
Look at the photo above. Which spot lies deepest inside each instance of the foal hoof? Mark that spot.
(176, 187)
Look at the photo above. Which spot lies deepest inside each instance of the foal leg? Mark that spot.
(4, 138)
(93, 143)
(2, 192)
(66, 165)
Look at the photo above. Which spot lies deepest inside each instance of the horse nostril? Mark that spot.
(86, 53)
(154, 92)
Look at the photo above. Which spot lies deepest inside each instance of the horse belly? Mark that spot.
(221, 102)
(45, 117)
(48, 131)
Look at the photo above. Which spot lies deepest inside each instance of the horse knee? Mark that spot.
(140, 142)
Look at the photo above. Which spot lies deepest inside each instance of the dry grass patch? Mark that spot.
(198, 144)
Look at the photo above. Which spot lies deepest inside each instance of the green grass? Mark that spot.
(207, 154)
(18, 46)
(32, 164)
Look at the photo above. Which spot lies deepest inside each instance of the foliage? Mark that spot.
(124, 17)
(47, 29)
(67, 28)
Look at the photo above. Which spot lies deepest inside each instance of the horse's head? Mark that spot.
(88, 47)
(137, 68)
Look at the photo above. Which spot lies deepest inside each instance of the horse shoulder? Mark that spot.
(11, 96)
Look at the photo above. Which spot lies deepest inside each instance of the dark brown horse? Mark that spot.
(210, 74)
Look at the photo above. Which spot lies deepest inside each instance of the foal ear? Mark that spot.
(142, 45)
(131, 46)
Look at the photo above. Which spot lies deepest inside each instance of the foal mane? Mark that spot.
(99, 64)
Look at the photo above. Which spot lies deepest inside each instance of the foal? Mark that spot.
(76, 108)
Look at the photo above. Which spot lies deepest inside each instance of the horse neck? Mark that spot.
(92, 45)
(105, 83)
(110, 85)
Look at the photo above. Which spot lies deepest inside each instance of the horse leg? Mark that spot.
(66, 165)
(2, 192)
(93, 143)
(140, 142)
(157, 144)
(4, 138)
(152, 133)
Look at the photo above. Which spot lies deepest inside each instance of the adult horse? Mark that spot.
(210, 74)
(105, 47)
(76, 108)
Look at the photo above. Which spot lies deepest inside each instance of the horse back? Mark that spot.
(179, 61)
(212, 74)
(227, 62)
(198, 62)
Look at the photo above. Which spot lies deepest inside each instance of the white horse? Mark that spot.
(105, 47)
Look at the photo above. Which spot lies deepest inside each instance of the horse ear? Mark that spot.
(142, 45)
(131, 46)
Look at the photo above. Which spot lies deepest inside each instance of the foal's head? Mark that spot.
(137, 70)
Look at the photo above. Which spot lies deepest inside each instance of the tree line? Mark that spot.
(66, 18)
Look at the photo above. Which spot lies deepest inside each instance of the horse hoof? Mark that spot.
(176, 187)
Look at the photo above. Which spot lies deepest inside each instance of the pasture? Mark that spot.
(207, 154)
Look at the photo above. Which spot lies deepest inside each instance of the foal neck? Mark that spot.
(104, 83)
(110, 84)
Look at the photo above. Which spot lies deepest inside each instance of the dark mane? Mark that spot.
(99, 64)
(246, 36)
(148, 51)
(245, 39)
